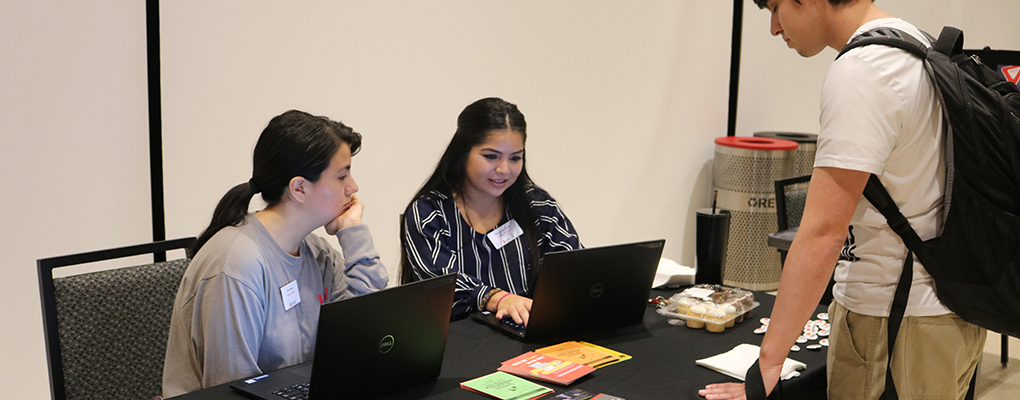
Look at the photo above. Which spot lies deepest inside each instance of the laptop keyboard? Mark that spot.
(296, 392)
(510, 321)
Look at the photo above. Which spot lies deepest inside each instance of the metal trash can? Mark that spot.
(743, 173)
(807, 143)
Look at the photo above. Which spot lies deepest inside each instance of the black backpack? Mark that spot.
(975, 262)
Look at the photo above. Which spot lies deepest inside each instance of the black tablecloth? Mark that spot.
(663, 364)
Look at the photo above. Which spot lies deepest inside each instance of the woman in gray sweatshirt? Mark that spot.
(249, 300)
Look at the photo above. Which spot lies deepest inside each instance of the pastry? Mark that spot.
(716, 317)
(731, 315)
(697, 312)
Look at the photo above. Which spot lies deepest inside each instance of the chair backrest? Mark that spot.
(106, 331)
(406, 274)
(791, 193)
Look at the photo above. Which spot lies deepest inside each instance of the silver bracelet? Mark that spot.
(485, 298)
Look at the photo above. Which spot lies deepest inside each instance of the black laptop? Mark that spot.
(586, 289)
(369, 346)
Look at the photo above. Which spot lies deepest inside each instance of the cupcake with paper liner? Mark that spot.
(740, 315)
(696, 311)
(731, 315)
(744, 301)
(748, 304)
(683, 305)
(716, 317)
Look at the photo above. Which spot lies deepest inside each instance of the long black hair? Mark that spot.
(474, 125)
(764, 3)
(294, 143)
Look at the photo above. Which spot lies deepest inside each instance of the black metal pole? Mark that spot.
(738, 22)
(155, 125)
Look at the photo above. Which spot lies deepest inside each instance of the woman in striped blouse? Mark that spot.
(481, 216)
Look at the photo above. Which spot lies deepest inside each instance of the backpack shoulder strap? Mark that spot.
(950, 41)
(754, 385)
(889, 37)
(879, 197)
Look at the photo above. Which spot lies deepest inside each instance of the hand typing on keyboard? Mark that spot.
(510, 306)
(510, 321)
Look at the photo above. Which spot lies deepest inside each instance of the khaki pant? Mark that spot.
(934, 357)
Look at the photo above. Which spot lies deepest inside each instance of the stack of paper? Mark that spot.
(735, 362)
(545, 368)
(580, 394)
(561, 364)
(672, 275)
(584, 353)
(504, 386)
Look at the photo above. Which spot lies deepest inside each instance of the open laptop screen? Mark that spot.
(371, 345)
(588, 289)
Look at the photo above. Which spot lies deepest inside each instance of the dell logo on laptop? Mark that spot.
(596, 290)
(386, 344)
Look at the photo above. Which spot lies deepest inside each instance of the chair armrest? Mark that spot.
(782, 240)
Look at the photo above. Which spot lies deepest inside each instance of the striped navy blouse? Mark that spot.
(438, 241)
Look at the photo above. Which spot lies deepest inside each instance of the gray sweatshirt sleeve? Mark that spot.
(231, 326)
(362, 271)
(225, 333)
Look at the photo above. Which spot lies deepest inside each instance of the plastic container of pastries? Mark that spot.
(715, 307)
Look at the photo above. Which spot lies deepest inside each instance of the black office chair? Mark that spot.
(404, 269)
(791, 194)
(106, 331)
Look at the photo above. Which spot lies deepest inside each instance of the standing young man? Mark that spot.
(879, 115)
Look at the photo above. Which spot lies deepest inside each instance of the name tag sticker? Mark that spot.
(505, 234)
(291, 295)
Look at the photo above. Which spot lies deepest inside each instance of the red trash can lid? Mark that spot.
(756, 143)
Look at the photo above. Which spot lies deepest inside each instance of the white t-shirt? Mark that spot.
(879, 114)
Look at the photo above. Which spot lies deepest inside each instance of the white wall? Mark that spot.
(74, 155)
(622, 99)
(779, 90)
(612, 91)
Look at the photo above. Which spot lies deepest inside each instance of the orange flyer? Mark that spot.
(579, 353)
(545, 368)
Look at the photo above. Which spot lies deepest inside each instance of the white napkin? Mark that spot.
(735, 362)
(671, 274)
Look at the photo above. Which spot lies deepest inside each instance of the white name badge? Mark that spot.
(505, 234)
(291, 295)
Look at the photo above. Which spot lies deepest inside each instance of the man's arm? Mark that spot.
(832, 198)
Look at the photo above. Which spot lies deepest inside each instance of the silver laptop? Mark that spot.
(368, 346)
(586, 289)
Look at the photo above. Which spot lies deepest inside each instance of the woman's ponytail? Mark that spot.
(230, 211)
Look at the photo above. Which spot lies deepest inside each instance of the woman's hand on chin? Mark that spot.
(348, 217)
